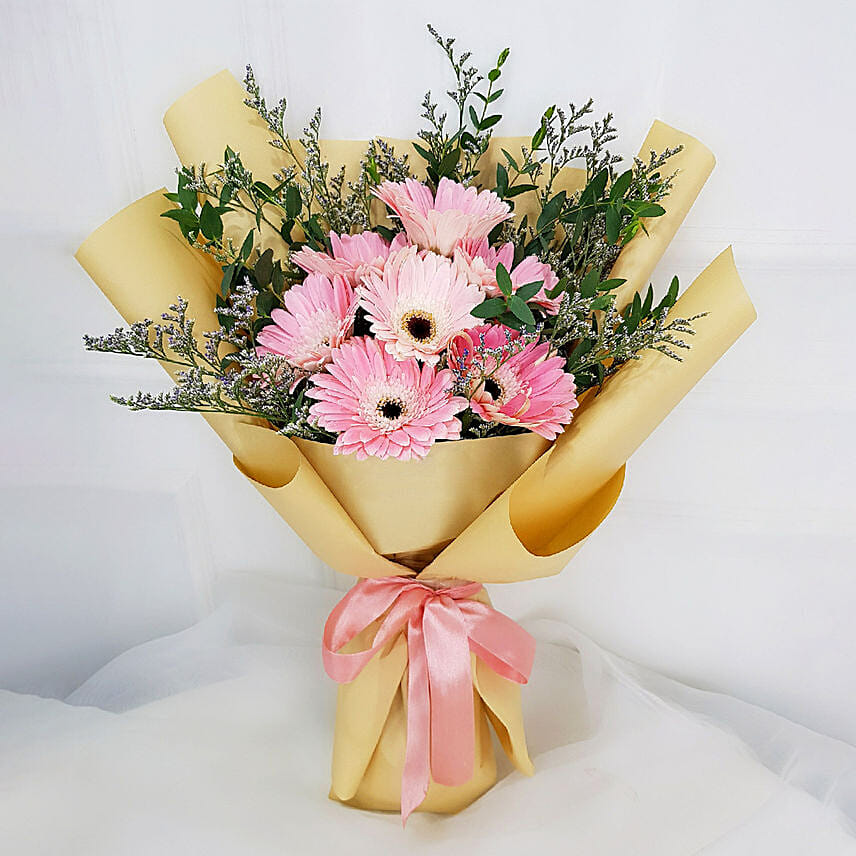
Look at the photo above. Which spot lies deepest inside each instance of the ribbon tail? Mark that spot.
(416, 775)
(451, 689)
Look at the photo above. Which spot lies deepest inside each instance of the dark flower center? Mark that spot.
(492, 388)
(389, 408)
(420, 327)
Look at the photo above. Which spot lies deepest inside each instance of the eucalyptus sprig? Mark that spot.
(600, 344)
(457, 156)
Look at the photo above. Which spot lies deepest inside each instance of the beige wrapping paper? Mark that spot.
(496, 510)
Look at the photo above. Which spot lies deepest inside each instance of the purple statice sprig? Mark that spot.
(221, 372)
(470, 369)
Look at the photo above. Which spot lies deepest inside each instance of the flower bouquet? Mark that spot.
(433, 359)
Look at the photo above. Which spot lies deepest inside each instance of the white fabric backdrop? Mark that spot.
(728, 562)
(215, 741)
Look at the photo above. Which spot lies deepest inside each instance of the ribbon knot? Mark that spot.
(443, 626)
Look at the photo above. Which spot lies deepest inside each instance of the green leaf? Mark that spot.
(423, 153)
(449, 162)
(652, 210)
(493, 75)
(602, 302)
(313, 230)
(509, 320)
(518, 189)
(630, 231)
(598, 183)
(228, 278)
(474, 117)
(247, 246)
(371, 168)
(521, 310)
(538, 137)
(226, 194)
(560, 286)
(266, 302)
(489, 122)
(620, 185)
(210, 222)
(589, 283)
(503, 56)
(491, 308)
(173, 197)
(648, 302)
(610, 284)
(643, 208)
(278, 278)
(186, 197)
(259, 324)
(550, 212)
(672, 294)
(635, 314)
(263, 270)
(186, 219)
(495, 96)
(501, 180)
(503, 280)
(262, 189)
(583, 348)
(613, 224)
(293, 202)
(528, 291)
(511, 162)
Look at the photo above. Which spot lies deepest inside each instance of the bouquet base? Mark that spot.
(371, 731)
(380, 787)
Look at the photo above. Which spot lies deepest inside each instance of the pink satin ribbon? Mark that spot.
(443, 626)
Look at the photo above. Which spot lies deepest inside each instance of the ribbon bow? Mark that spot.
(443, 626)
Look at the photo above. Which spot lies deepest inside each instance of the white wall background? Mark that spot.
(729, 561)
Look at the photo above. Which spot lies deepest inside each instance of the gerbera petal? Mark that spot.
(442, 222)
(318, 316)
(382, 406)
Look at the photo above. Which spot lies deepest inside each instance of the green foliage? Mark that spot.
(598, 339)
(579, 233)
(511, 307)
(303, 203)
(457, 156)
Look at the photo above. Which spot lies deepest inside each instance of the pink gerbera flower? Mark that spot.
(512, 382)
(479, 261)
(442, 222)
(419, 302)
(318, 316)
(384, 407)
(351, 255)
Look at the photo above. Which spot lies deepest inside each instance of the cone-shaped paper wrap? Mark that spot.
(494, 510)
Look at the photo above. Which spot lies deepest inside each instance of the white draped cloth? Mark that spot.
(217, 741)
